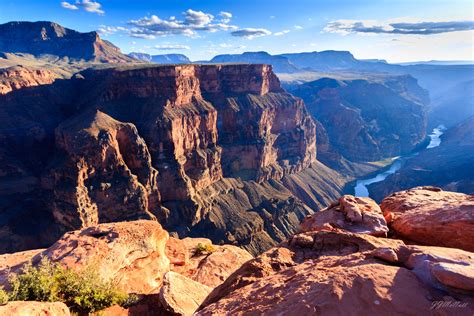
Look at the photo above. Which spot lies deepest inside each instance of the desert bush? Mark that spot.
(3, 296)
(82, 291)
(36, 283)
(202, 249)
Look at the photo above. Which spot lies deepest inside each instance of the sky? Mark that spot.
(397, 31)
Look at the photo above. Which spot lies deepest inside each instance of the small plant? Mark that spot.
(86, 291)
(3, 297)
(36, 283)
(82, 291)
(203, 249)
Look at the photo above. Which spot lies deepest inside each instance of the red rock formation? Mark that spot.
(108, 167)
(35, 309)
(165, 142)
(354, 214)
(18, 77)
(431, 216)
(342, 273)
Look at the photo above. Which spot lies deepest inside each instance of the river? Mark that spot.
(361, 185)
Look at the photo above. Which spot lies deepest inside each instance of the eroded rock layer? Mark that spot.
(164, 142)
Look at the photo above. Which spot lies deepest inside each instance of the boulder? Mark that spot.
(350, 213)
(180, 295)
(208, 268)
(132, 253)
(431, 216)
(27, 308)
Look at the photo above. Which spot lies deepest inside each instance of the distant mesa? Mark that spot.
(49, 38)
(161, 59)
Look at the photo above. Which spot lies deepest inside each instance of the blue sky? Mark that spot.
(394, 30)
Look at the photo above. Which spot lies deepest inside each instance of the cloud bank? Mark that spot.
(250, 33)
(406, 28)
(192, 22)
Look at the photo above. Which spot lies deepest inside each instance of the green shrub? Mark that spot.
(87, 291)
(36, 283)
(3, 296)
(83, 292)
(202, 249)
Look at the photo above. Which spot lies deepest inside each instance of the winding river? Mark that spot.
(361, 185)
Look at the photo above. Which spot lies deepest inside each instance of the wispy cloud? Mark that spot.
(225, 16)
(67, 5)
(171, 47)
(193, 22)
(109, 30)
(399, 27)
(250, 33)
(281, 33)
(87, 5)
(298, 27)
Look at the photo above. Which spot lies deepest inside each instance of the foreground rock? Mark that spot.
(338, 273)
(180, 295)
(169, 275)
(34, 309)
(431, 216)
(354, 214)
(210, 268)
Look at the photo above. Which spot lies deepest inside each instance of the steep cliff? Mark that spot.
(368, 118)
(220, 151)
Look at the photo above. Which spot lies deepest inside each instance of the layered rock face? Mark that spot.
(40, 38)
(173, 143)
(362, 116)
(338, 272)
(19, 77)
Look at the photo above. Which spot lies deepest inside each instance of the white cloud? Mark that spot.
(225, 16)
(87, 5)
(397, 26)
(298, 27)
(67, 5)
(194, 21)
(109, 30)
(172, 47)
(281, 33)
(250, 33)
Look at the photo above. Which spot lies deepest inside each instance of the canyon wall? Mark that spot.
(196, 147)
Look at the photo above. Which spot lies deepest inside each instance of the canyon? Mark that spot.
(203, 149)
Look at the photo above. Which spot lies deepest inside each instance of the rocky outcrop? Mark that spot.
(109, 166)
(356, 283)
(132, 253)
(430, 216)
(19, 77)
(344, 273)
(168, 275)
(48, 38)
(35, 309)
(350, 213)
(164, 142)
(362, 115)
